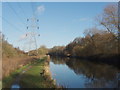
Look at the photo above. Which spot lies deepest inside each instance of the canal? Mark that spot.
(76, 73)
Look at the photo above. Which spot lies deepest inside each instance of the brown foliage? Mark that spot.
(11, 64)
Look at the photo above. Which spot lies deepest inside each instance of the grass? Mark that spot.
(7, 81)
(31, 78)
(11, 64)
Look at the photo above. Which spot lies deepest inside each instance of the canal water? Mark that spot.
(76, 73)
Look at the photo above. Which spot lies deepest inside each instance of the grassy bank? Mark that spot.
(11, 64)
(8, 80)
(33, 79)
(33, 76)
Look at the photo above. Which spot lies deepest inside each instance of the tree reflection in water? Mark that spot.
(96, 74)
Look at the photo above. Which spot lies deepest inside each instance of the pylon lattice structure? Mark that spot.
(31, 36)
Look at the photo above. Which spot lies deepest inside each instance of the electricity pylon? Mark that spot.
(31, 35)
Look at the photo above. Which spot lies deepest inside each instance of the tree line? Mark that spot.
(103, 39)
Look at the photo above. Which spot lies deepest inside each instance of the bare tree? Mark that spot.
(109, 18)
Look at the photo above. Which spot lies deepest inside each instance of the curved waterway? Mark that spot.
(76, 73)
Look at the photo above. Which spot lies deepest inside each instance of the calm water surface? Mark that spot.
(75, 73)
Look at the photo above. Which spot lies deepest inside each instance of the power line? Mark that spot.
(21, 9)
(10, 24)
(31, 28)
(16, 14)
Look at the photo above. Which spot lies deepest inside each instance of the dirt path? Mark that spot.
(16, 83)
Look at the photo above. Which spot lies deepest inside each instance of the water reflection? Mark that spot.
(87, 74)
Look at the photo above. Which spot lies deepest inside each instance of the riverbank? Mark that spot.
(33, 75)
(12, 63)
